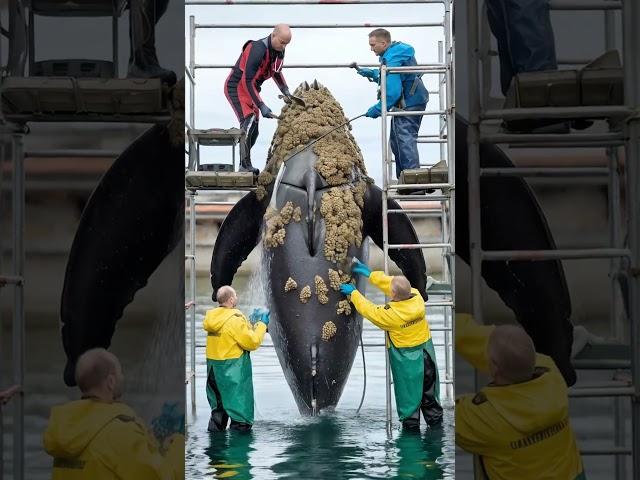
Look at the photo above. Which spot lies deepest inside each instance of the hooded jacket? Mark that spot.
(519, 431)
(403, 320)
(407, 86)
(93, 440)
(230, 334)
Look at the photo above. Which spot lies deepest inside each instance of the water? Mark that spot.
(340, 445)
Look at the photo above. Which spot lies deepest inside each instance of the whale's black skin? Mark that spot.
(132, 221)
(511, 219)
(296, 328)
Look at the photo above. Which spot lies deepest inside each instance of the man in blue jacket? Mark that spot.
(405, 91)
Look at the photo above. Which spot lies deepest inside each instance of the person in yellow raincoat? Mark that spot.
(230, 338)
(100, 438)
(519, 424)
(411, 353)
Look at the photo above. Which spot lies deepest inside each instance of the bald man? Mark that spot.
(260, 60)
(411, 352)
(519, 424)
(98, 437)
(230, 338)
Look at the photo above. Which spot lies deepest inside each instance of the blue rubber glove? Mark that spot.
(265, 316)
(255, 315)
(366, 73)
(361, 269)
(347, 288)
(170, 421)
(373, 112)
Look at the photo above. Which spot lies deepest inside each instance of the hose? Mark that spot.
(364, 366)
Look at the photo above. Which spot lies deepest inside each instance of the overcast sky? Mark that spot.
(344, 45)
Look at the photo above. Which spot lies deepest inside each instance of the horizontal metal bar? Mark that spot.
(408, 186)
(426, 140)
(268, 26)
(560, 254)
(584, 5)
(545, 172)
(421, 196)
(423, 68)
(552, 139)
(606, 451)
(292, 65)
(440, 304)
(593, 392)
(440, 329)
(604, 364)
(307, 2)
(414, 210)
(556, 112)
(72, 153)
(189, 257)
(213, 202)
(10, 280)
(416, 246)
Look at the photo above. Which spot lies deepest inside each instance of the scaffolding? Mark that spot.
(482, 129)
(444, 137)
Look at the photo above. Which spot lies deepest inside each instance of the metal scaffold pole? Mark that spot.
(18, 326)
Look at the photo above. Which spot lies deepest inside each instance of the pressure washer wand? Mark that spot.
(325, 134)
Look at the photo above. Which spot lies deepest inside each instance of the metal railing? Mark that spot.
(481, 110)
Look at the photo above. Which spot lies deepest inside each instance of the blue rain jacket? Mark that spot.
(399, 55)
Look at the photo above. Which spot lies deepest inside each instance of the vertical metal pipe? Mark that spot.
(192, 69)
(114, 39)
(630, 19)
(192, 286)
(385, 225)
(441, 95)
(474, 163)
(3, 152)
(18, 205)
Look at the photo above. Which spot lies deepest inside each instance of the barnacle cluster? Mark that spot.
(305, 294)
(329, 329)
(275, 220)
(321, 290)
(343, 307)
(290, 285)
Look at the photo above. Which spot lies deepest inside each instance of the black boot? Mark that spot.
(218, 421)
(250, 128)
(412, 422)
(431, 409)
(239, 426)
(143, 61)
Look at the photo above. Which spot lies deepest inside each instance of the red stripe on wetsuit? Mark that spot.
(257, 63)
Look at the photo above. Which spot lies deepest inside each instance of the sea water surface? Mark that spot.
(343, 444)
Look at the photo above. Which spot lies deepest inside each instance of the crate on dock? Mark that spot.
(214, 180)
(436, 174)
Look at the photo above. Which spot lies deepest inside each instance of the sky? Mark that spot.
(343, 45)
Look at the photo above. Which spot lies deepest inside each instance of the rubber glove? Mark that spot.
(265, 316)
(373, 112)
(361, 268)
(168, 423)
(266, 111)
(347, 288)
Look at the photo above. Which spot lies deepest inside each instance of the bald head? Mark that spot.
(281, 36)
(512, 355)
(400, 288)
(226, 296)
(99, 373)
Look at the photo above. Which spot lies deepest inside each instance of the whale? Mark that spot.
(315, 368)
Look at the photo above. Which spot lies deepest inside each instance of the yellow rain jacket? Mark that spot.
(520, 431)
(404, 320)
(408, 336)
(93, 440)
(230, 334)
(230, 338)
